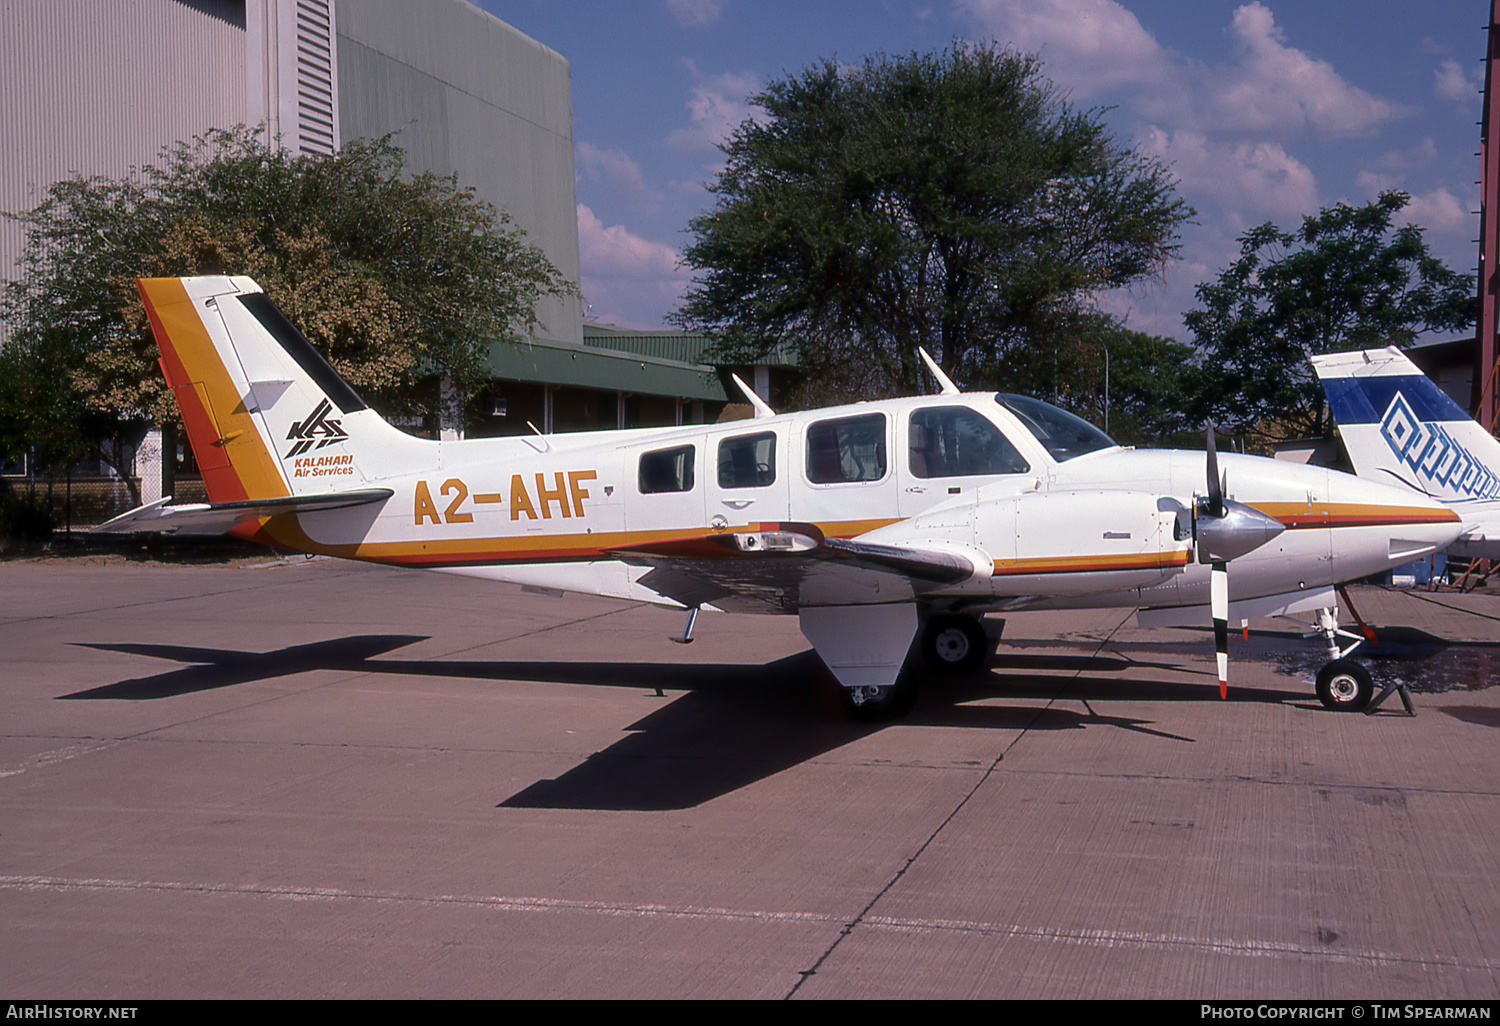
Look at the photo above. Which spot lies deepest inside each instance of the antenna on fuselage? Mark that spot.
(945, 383)
(546, 445)
(761, 409)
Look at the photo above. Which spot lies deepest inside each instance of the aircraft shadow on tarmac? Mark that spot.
(734, 725)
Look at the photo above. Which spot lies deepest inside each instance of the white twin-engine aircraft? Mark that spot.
(876, 524)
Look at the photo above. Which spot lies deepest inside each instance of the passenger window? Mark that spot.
(667, 470)
(954, 441)
(748, 461)
(850, 449)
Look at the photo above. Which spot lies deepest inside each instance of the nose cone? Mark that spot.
(1240, 530)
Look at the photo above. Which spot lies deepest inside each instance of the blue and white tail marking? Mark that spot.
(1397, 425)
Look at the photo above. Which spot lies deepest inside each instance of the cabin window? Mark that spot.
(954, 441)
(847, 449)
(748, 461)
(667, 470)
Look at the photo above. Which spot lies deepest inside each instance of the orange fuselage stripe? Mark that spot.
(1298, 516)
(287, 531)
(1091, 564)
(574, 547)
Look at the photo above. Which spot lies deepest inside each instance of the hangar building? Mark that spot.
(94, 87)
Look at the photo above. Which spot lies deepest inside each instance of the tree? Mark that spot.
(1135, 384)
(1344, 280)
(949, 201)
(396, 277)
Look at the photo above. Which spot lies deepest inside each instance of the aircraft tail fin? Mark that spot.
(1399, 426)
(266, 415)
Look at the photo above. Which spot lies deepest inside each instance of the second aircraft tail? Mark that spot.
(1399, 426)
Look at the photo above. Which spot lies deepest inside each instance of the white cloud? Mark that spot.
(1275, 87)
(1374, 182)
(695, 12)
(717, 106)
(1448, 225)
(1389, 170)
(1440, 211)
(627, 280)
(617, 170)
(1436, 210)
(1253, 181)
(614, 166)
(1087, 45)
(1450, 83)
(1424, 154)
(614, 250)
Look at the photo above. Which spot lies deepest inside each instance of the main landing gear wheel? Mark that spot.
(954, 644)
(873, 704)
(1345, 686)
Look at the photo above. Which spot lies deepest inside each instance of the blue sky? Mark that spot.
(1265, 110)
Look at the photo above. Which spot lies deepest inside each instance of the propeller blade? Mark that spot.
(1218, 600)
(1225, 530)
(1215, 481)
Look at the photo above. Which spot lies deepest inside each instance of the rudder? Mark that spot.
(265, 413)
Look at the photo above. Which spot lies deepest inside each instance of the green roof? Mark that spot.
(686, 346)
(671, 363)
(594, 366)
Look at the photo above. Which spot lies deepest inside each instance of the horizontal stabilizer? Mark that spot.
(221, 517)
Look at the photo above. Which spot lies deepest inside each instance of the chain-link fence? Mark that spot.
(78, 502)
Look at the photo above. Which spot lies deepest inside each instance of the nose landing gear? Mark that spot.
(1344, 685)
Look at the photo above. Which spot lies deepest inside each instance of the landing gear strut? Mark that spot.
(1343, 685)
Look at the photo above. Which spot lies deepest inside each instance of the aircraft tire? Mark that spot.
(954, 644)
(1345, 686)
(878, 704)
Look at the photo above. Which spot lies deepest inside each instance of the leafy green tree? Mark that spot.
(1138, 385)
(40, 416)
(949, 201)
(397, 277)
(1345, 280)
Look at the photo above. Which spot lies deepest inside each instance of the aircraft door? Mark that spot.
(950, 451)
(845, 481)
(749, 483)
(667, 493)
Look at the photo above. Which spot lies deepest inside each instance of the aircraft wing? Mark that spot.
(221, 517)
(782, 567)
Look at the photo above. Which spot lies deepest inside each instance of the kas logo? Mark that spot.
(315, 432)
(1434, 455)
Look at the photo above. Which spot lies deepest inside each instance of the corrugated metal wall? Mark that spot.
(467, 93)
(317, 93)
(93, 87)
(291, 72)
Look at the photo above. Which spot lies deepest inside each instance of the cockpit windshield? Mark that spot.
(1064, 435)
